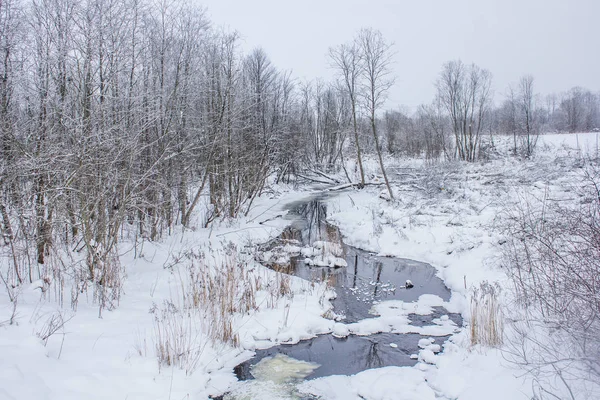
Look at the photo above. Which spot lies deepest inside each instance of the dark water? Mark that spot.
(367, 279)
(346, 356)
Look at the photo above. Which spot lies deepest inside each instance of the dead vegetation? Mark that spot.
(213, 293)
(487, 323)
(553, 258)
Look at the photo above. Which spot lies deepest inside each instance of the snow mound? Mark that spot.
(340, 330)
(280, 254)
(390, 383)
(324, 254)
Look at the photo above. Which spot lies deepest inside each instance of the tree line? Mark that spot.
(463, 113)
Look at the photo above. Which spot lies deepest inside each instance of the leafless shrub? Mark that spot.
(550, 358)
(436, 180)
(79, 270)
(53, 323)
(13, 315)
(487, 325)
(10, 289)
(553, 259)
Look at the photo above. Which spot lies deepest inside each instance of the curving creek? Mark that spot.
(366, 280)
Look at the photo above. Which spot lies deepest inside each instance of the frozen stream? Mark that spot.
(366, 280)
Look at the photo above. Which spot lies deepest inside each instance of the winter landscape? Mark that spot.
(183, 219)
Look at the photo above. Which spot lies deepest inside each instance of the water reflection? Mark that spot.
(310, 218)
(369, 279)
(366, 280)
(345, 356)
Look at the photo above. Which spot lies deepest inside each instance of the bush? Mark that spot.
(553, 259)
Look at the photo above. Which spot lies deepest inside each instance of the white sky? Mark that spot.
(557, 41)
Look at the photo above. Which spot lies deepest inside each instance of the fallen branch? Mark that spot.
(356, 185)
(271, 219)
(325, 176)
(313, 179)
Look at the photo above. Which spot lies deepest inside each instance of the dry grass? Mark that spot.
(219, 294)
(177, 337)
(140, 345)
(487, 327)
(285, 288)
(212, 295)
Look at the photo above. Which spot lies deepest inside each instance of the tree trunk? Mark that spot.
(377, 147)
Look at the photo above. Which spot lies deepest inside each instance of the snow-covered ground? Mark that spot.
(114, 357)
(449, 215)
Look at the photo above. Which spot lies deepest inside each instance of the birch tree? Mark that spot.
(528, 114)
(347, 61)
(378, 79)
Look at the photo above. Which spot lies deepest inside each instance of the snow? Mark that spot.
(324, 254)
(340, 330)
(427, 356)
(449, 219)
(393, 316)
(326, 261)
(114, 356)
(390, 383)
(445, 215)
(476, 374)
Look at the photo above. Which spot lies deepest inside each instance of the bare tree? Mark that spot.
(579, 111)
(465, 92)
(392, 126)
(571, 106)
(346, 59)
(376, 71)
(324, 119)
(432, 127)
(528, 115)
(509, 117)
(11, 25)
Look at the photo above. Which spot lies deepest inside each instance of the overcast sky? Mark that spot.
(557, 41)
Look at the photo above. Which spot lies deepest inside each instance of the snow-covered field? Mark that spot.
(449, 215)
